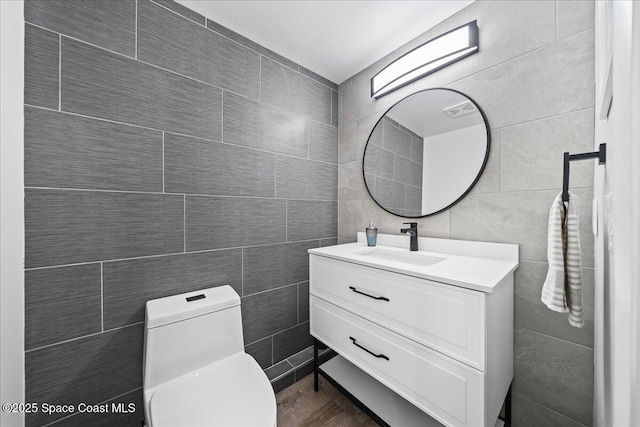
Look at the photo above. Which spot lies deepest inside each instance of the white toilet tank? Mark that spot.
(188, 331)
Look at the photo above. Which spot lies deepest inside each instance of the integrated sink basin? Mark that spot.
(407, 257)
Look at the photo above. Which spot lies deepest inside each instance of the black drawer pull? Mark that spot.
(370, 296)
(379, 356)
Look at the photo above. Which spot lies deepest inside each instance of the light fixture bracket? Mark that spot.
(427, 58)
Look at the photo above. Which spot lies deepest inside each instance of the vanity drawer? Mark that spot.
(447, 390)
(444, 317)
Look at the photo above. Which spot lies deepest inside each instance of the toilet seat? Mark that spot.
(231, 392)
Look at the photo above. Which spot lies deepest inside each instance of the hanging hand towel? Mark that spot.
(562, 289)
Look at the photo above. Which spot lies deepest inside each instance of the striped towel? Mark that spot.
(562, 289)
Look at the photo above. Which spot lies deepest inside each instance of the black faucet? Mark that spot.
(413, 232)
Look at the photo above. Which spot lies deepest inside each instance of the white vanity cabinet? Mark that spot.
(444, 348)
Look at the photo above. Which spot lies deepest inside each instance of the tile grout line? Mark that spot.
(271, 349)
(84, 336)
(242, 271)
(184, 222)
(135, 48)
(222, 139)
(194, 79)
(59, 72)
(260, 81)
(102, 295)
(499, 158)
(275, 153)
(298, 303)
(163, 190)
(73, 264)
(297, 69)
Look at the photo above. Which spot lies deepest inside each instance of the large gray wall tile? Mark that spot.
(278, 369)
(129, 284)
(489, 181)
(390, 194)
(518, 217)
(110, 25)
(256, 125)
(181, 10)
(554, 373)
(294, 92)
(41, 67)
(90, 370)
(521, 411)
(395, 139)
(109, 86)
(351, 185)
(63, 150)
(170, 42)
(318, 78)
(306, 179)
(302, 357)
(323, 142)
(197, 166)
(269, 267)
(379, 162)
(417, 150)
(536, 84)
(334, 109)
(407, 172)
(284, 382)
(303, 301)
(545, 417)
(413, 198)
(269, 312)
(64, 227)
(532, 314)
(347, 141)
(508, 31)
(261, 351)
(250, 44)
(291, 341)
(307, 219)
(61, 303)
(350, 220)
(219, 222)
(432, 226)
(574, 16)
(531, 153)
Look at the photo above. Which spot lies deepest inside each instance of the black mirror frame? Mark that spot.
(475, 181)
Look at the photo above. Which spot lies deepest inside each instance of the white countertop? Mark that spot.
(461, 263)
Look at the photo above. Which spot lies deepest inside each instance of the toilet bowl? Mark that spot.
(196, 372)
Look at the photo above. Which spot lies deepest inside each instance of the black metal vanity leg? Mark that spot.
(315, 364)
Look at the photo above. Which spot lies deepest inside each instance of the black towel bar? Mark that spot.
(601, 155)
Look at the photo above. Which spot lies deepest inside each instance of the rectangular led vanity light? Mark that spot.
(426, 59)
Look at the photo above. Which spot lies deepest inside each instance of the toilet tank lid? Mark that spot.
(175, 308)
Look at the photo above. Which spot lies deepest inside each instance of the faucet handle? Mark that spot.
(412, 224)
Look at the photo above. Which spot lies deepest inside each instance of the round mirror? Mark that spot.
(426, 153)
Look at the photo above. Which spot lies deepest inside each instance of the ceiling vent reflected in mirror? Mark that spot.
(461, 109)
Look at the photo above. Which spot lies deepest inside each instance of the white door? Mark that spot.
(617, 191)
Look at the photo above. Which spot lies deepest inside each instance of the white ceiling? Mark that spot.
(423, 113)
(335, 39)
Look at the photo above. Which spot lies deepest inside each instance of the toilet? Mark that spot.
(196, 372)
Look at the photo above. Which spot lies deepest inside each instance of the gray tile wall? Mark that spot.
(164, 153)
(393, 167)
(534, 79)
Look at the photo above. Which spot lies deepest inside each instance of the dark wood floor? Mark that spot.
(299, 406)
